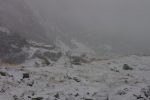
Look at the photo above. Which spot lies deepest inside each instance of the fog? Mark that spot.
(124, 25)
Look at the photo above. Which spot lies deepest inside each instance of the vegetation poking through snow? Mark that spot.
(144, 94)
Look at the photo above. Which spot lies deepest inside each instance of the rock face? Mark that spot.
(11, 48)
(15, 49)
(17, 17)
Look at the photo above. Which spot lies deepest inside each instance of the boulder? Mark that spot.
(76, 60)
(127, 67)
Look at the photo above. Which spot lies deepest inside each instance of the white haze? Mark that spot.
(124, 25)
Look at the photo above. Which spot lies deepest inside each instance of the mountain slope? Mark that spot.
(17, 17)
(124, 78)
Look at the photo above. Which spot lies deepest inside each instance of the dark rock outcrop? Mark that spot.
(11, 48)
(127, 67)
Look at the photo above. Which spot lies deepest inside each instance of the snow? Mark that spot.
(5, 30)
(97, 80)
(64, 48)
(82, 48)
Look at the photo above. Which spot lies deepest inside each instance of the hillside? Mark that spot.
(79, 64)
(48, 73)
(17, 17)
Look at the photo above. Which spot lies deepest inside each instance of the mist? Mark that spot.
(74, 50)
(124, 25)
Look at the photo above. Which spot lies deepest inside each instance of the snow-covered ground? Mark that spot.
(99, 80)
